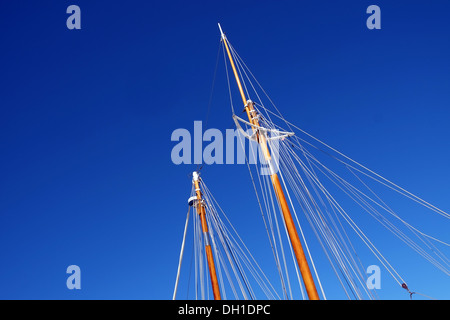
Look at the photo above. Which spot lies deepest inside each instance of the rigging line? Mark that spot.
(408, 194)
(318, 195)
(221, 261)
(340, 239)
(293, 258)
(296, 269)
(301, 232)
(219, 267)
(355, 227)
(266, 184)
(240, 239)
(225, 246)
(270, 209)
(231, 253)
(219, 255)
(181, 254)
(238, 258)
(192, 255)
(421, 294)
(426, 242)
(411, 195)
(199, 167)
(262, 89)
(333, 243)
(227, 253)
(340, 254)
(241, 271)
(364, 238)
(296, 193)
(272, 243)
(190, 273)
(241, 62)
(204, 238)
(445, 214)
(424, 203)
(353, 191)
(202, 262)
(238, 67)
(384, 221)
(212, 86)
(211, 234)
(308, 211)
(322, 224)
(391, 227)
(280, 237)
(228, 78)
(197, 258)
(384, 208)
(228, 240)
(272, 216)
(395, 215)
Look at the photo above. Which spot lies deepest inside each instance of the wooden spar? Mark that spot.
(209, 255)
(308, 279)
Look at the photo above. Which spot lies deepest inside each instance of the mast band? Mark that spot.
(206, 236)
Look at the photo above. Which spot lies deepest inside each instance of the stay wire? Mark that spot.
(199, 167)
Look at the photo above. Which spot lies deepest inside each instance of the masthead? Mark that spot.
(221, 32)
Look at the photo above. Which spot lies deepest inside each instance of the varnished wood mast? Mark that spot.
(290, 225)
(209, 255)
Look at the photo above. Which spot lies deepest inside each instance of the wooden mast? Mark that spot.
(209, 255)
(290, 225)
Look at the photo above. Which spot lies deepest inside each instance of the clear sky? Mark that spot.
(87, 115)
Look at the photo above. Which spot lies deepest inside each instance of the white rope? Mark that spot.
(330, 231)
(392, 185)
(181, 255)
(233, 258)
(361, 234)
(319, 222)
(228, 78)
(234, 242)
(267, 222)
(385, 222)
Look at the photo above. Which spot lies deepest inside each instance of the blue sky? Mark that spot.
(87, 115)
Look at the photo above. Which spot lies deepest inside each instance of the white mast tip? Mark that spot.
(221, 32)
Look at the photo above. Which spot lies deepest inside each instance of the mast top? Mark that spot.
(221, 32)
(195, 176)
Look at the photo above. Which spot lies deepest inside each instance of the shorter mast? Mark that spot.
(209, 255)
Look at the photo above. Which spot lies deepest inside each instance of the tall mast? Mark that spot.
(290, 225)
(209, 255)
